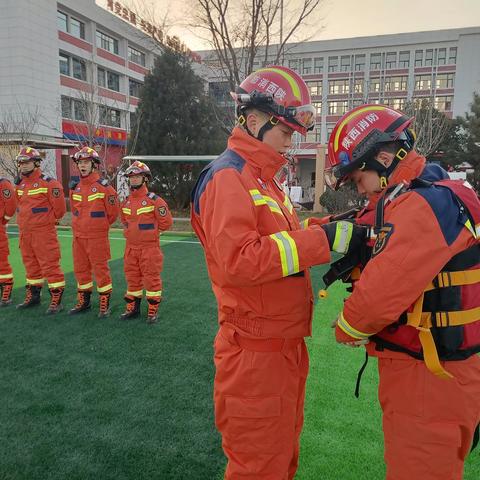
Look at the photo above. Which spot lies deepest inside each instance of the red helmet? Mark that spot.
(280, 92)
(28, 154)
(354, 141)
(86, 152)
(138, 168)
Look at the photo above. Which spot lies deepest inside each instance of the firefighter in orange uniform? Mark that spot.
(94, 208)
(144, 215)
(258, 258)
(416, 304)
(8, 203)
(41, 203)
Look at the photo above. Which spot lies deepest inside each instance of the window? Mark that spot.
(418, 58)
(332, 64)
(64, 61)
(345, 63)
(423, 82)
(396, 103)
(315, 88)
(445, 80)
(307, 66)
(313, 136)
(442, 56)
(395, 84)
(404, 59)
(391, 60)
(134, 87)
(375, 84)
(72, 67)
(444, 104)
(357, 102)
(107, 43)
(359, 63)
(358, 85)
(293, 64)
(66, 107)
(136, 56)
(338, 87)
(62, 22)
(70, 25)
(109, 116)
(452, 56)
(318, 65)
(337, 107)
(108, 79)
(73, 109)
(330, 130)
(375, 61)
(79, 109)
(428, 57)
(318, 107)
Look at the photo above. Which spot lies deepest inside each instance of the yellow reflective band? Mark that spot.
(7, 276)
(85, 286)
(343, 235)
(137, 293)
(288, 252)
(126, 211)
(19, 193)
(304, 224)
(153, 294)
(259, 199)
(77, 197)
(35, 281)
(288, 204)
(292, 82)
(56, 285)
(38, 191)
(151, 208)
(347, 119)
(475, 231)
(349, 330)
(95, 196)
(106, 288)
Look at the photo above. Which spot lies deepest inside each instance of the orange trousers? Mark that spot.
(92, 255)
(41, 257)
(428, 422)
(6, 274)
(142, 268)
(259, 393)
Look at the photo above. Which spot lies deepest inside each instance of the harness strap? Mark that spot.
(454, 279)
(443, 319)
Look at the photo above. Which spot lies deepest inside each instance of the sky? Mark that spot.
(344, 18)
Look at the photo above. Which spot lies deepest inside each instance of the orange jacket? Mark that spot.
(415, 251)
(257, 254)
(8, 201)
(145, 215)
(41, 201)
(94, 206)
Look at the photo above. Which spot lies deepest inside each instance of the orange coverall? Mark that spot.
(41, 203)
(257, 257)
(145, 215)
(8, 203)
(428, 422)
(94, 207)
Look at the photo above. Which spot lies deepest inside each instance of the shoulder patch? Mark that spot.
(228, 159)
(103, 182)
(152, 195)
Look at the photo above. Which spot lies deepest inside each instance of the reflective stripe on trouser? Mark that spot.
(41, 257)
(259, 398)
(428, 422)
(143, 267)
(90, 258)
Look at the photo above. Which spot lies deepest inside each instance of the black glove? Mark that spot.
(345, 237)
(349, 214)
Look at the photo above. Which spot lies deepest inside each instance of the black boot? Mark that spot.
(152, 314)
(6, 290)
(104, 310)
(132, 309)
(32, 296)
(83, 303)
(55, 306)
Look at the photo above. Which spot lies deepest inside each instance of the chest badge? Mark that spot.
(382, 239)
(144, 202)
(35, 185)
(94, 189)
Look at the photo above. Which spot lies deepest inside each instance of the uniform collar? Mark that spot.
(139, 192)
(32, 177)
(259, 155)
(89, 179)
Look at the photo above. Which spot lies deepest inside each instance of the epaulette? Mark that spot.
(46, 177)
(103, 182)
(152, 195)
(73, 184)
(17, 180)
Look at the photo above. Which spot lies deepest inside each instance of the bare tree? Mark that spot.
(241, 32)
(430, 125)
(17, 126)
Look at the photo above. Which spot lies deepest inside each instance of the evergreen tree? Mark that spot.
(176, 118)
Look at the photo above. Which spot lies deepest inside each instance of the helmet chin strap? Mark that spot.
(383, 171)
(268, 125)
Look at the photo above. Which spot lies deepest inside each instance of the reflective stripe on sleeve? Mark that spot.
(127, 211)
(343, 235)
(77, 197)
(288, 252)
(38, 191)
(7, 276)
(304, 224)
(349, 330)
(151, 208)
(259, 199)
(95, 196)
(288, 204)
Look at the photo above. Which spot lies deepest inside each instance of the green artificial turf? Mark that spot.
(88, 398)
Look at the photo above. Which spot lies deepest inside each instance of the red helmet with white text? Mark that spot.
(28, 154)
(85, 153)
(138, 168)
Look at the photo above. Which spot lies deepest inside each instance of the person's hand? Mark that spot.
(345, 339)
(345, 237)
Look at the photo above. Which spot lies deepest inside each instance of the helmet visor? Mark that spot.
(25, 158)
(303, 115)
